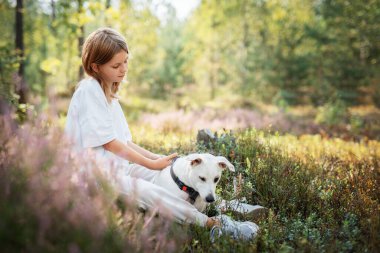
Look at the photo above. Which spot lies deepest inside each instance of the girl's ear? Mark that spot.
(94, 67)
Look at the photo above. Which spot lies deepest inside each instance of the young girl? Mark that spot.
(95, 120)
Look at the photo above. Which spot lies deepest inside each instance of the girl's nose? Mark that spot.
(124, 68)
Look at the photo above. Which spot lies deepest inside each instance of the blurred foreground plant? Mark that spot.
(52, 200)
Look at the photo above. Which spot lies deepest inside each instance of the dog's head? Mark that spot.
(205, 172)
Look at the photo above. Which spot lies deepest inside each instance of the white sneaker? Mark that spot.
(244, 230)
(254, 212)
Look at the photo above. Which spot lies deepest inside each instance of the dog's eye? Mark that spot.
(203, 179)
(216, 179)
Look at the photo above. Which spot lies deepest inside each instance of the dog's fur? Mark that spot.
(202, 172)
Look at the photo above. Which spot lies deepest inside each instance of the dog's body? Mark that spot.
(200, 172)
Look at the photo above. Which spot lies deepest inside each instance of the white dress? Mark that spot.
(93, 122)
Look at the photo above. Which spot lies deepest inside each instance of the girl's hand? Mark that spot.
(163, 162)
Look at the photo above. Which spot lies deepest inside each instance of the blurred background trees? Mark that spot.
(312, 52)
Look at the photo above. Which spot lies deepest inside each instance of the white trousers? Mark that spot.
(137, 183)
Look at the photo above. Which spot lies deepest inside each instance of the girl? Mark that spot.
(95, 120)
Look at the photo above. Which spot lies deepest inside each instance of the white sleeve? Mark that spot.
(95, 119)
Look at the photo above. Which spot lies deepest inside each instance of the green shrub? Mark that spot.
(332, 113)
(323, 195)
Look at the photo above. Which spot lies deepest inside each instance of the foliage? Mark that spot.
(293, 52)
(332, 113)
(8, 66)
(167, 70)
(323, 194)
(335, 119)
(281, 52)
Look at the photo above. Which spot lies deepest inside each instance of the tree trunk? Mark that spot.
(21, 88)
(214, 66)
(80, 43)
(53, 10)
(80, 39)
(246, 71)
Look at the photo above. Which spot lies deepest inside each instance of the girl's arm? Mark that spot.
(143, 151)
(128, 153)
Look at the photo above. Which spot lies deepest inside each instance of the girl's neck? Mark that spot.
(107, 89)
(105, 84)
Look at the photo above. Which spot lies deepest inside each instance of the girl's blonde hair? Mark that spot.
(99, 48)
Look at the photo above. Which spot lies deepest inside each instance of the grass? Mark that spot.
(322, 194)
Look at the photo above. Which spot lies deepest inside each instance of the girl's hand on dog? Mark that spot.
(162, 162)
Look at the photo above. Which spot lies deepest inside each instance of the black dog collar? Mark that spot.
(193, 194)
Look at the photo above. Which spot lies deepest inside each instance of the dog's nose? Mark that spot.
(210, 198)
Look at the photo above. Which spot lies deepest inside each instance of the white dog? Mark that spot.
(194, 178)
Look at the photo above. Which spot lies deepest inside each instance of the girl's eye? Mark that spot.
(203, 179)
(216, 179)
(115, 67)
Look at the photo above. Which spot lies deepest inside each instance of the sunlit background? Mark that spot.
(295, 66)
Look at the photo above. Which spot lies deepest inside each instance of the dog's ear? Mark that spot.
(223, 163)
(194, 159)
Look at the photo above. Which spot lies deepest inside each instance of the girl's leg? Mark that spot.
(153, 197)
(138, 171)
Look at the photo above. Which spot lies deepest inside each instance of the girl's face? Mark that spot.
(114, 70)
